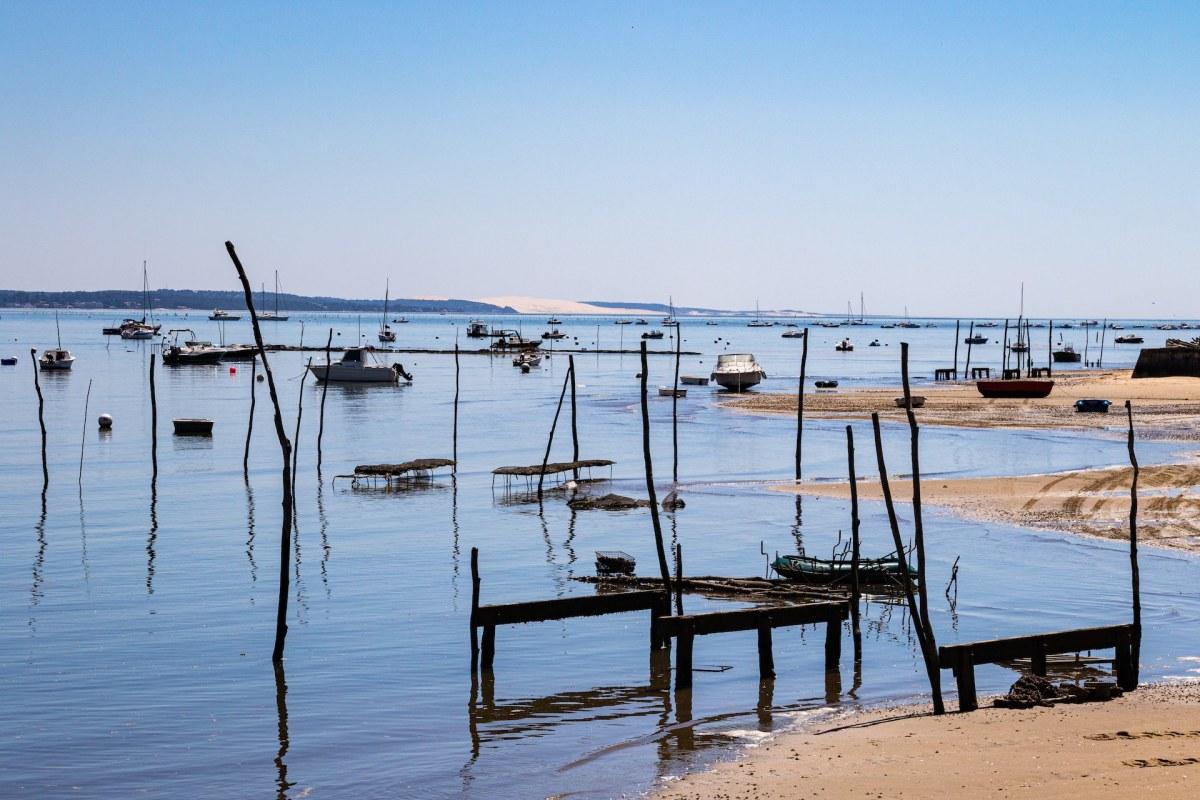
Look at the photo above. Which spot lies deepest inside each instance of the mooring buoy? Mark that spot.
(105, 421)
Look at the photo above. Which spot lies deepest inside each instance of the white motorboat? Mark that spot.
(477, 329)
(223, 316)
(57, 359)
(358, 365)
(138, 330)
(845, 346)
(527, 359)
(737, 371)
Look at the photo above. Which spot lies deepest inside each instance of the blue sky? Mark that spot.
(930, 155)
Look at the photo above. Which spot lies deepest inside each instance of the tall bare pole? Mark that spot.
(553, 425)
(37, 386)
(970, 337)
(83, 436)
(1050, 349)
(153, 427)
(800, 406)
(324, 391)
(454, 428)
(574, 416)
(855, 590)
(1135, 576)
(299, 415)
(675, 409)
(250, 420)
(957, 325)
(285, 447)
(658, 535)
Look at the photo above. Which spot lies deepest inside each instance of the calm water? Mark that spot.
(136, 628)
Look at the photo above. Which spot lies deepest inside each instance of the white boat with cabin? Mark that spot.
(737, 371)
(358, 365)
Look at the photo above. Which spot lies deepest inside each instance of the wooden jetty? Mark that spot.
(962, 658)
(763, 618)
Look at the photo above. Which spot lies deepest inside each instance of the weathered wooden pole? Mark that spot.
(574, 416)
(37, 386)
(285, 447)
(658, 535)
(153, 427)
(800, 406)
(855, 588)
(1004, 350)
(299, 416)
(919, 533)
(1103, 336)
(1135, 576)
(550, 439)
(454, 429)
(675, 409)
(474, 609)
(679, 579)
(83, 435)
(1050, 349)
(957, 324)
(250, 420)
(324, 391)
(970, 336)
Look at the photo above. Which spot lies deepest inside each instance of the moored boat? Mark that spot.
(56, 360)
(807, 569)
(652, 334)
(223, 316)
(507, 340)
(1015, 388)
(477, 329)
(1066, 354)
(355, 366)
(844, 346)
(737, 371)
(976, 339)
(1131, 338)
(193, 427)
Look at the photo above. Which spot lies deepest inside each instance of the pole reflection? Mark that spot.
(281, 780)
(151, 537)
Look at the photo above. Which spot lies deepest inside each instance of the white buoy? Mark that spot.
(105, 422)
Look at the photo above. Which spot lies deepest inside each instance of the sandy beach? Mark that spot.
(1164, 408)
(1146, 743)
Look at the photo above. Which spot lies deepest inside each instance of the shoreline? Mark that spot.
(1147, 741)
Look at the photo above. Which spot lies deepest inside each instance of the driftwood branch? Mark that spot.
(41, 421)
(1133, 547)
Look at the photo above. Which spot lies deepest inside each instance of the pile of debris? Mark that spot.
(1034, 690)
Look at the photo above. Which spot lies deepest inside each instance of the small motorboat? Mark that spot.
(693, 380)
(918, 401)
(1019, 347)
(356, 366)
(190, 352)
(737, 371)
(138, 331)
(887, 325)
(826, 384)
(477, 329)
(792, 334)
(386, 334)
(554, 321)
(193, 427)
(1092, 406)
(223, 316)
(400, 321)
(554, 333)
(874, 343)
(1066, 354)
(641, 322)
(1129, 338)
(527, 360)
(508, 340)
(668, 391)
(8, 361)
(58, 360)
(622, 322)
(1015, 389)
(807, 569)
(976, 339)
(652, 334)
(844, 346)
(712, 322)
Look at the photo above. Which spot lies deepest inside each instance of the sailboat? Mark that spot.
(140, 328)
(758, 321)
(669, 321)
(862, 308)
(386, 334)
(1020, 345)
(272, 316)
(907, 323)
(58, 359)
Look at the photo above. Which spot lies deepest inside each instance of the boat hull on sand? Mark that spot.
(1014, 389)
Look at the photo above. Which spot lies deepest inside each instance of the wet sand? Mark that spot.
(1089, 502)
(1166, 408)
(1146, 743)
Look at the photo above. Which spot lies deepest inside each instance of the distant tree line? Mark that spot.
(232, 301)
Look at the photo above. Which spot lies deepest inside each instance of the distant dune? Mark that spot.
(544, 305)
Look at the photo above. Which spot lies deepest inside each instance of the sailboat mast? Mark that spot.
(57, 329)
(386, 290)
(862, 308)
(277, 293)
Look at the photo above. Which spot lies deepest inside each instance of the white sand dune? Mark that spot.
(544, 305)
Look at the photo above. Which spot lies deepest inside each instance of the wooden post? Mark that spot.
(550, 440)
(833, 643)
(574, 417)
(37, 386)
(1135, 577)
(324, 391)
(766, 659)
(970, 336)
(1050, 350)
(1038, 661)
(285, 447)
(957, 324)
(454, 430)
(679, 579)
(935, 675)
(675, 409)
(964, 671)
(1124, 662)
(474, 608)
(658, 536)
(1103, 336)
(800, 405)
(83, 435)
(855, 590)
(250, 423)
(299, 416)
(487, 652)
(1004, 350)
(683, 655)
(153, 427)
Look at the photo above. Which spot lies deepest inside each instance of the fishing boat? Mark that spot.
(1066, 354)
(400, 321)
(554, 333)
(358, 365)
(191, 352)
(1019, 347)
(737, 371)
(988, 324)
(223, 316)
(808, 569)
(272, 316)
(1130, 338)
(511, 340)
(844, 346)
(554, 321)
(976, 339)
(58, 359)
(711, 322)
(477, 329)
(652, 335)
(1015, 389)
(386, 334)
(527, 359)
